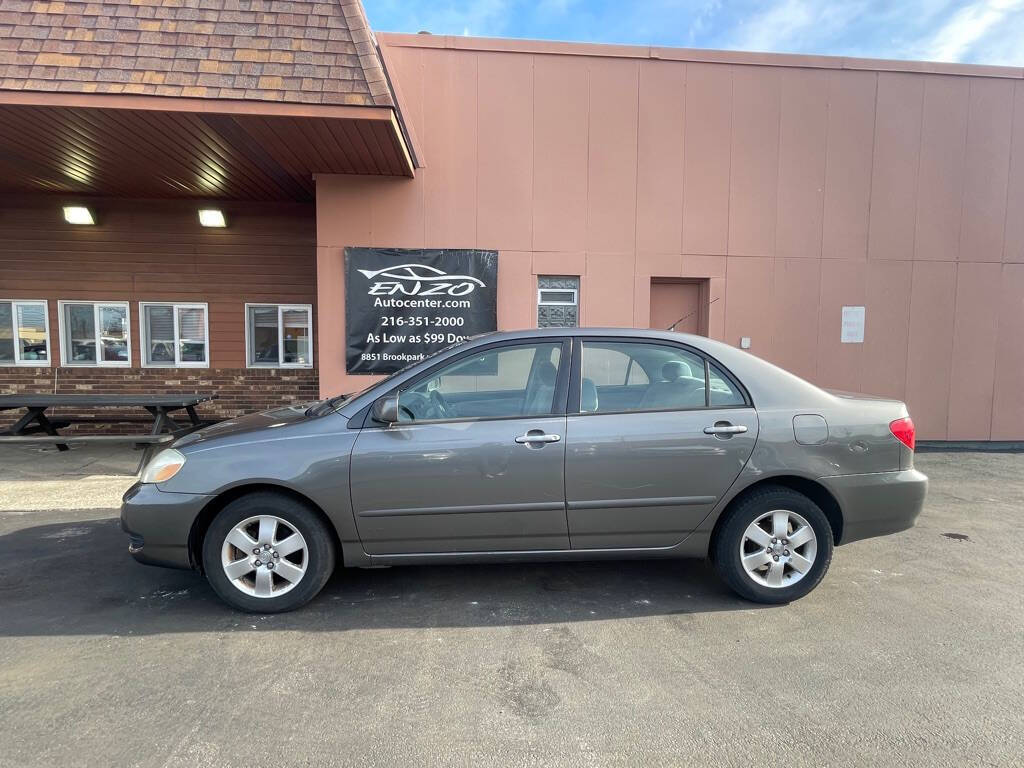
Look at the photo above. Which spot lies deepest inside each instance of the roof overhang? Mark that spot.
(160, 147)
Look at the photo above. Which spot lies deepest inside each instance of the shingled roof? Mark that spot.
(279, 50)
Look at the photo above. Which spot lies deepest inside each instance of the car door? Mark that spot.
(476, 461)
(644, 467)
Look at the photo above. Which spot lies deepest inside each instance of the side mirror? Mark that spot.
(385, 410)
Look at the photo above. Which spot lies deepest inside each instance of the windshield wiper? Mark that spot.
(327, 405)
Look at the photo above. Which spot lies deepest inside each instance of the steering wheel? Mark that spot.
(411, 402)
(441, 404)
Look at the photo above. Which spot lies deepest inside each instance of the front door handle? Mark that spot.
(725, 429)
(536, 436)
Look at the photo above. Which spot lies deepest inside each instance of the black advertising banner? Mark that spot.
(402, 305)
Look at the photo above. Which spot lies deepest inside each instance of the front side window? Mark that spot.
(95, 333)
(499, 383)
(279, 335)
(174, 335)
(637, 376)
(24, 333)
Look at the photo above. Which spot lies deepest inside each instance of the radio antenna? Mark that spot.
(687, 315)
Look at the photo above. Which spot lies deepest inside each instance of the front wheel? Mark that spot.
(267, 553)
(774, 546)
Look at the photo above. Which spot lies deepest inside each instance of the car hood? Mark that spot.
(240, 426)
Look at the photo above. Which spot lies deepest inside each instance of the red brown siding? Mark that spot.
(145, 251)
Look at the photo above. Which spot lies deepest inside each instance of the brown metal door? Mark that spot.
(671, 300)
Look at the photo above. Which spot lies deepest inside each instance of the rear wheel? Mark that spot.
(774, 546)
(267, 553)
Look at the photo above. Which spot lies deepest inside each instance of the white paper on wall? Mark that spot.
(853, 325)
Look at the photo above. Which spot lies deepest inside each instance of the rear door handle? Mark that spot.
(538, 437)
(725, 429)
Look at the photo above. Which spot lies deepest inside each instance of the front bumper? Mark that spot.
(158, 524)
(878, 503)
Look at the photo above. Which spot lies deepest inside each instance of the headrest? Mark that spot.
(547, 372)
(674, 369)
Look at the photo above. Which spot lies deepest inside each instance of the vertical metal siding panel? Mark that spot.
(896, 159)
(505, 170)
(851, 135)
(706, 171)
(940, 184)
(754, 172)
(930, 346)
(450, 132)
(612, 156)
(986, 170)
(803, 131)
(560, 129)
(1013, 245)
(660, 157)
(843, 283)
(974, 351)
(1008, 391)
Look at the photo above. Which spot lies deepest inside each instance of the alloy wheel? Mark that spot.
(778, 548)
(264, 556)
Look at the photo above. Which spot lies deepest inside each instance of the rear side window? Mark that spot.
(623, 376)
(722, 392)
(638, 376)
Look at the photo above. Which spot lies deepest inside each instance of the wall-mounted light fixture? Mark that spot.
(212, 217)
(78, 214)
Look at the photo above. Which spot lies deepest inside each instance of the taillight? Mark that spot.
(903, 430)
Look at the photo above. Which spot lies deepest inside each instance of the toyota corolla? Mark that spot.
(554, 444)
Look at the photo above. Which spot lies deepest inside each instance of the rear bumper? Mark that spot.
(879, 503)
(158, 524)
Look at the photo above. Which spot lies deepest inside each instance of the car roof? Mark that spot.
(652, 333)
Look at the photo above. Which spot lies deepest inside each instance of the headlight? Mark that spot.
(163, 466)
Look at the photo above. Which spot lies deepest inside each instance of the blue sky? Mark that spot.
(976, 31)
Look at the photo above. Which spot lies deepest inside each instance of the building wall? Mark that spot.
(156, 251)
(796, 185)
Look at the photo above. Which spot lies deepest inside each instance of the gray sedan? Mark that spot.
(555, 444)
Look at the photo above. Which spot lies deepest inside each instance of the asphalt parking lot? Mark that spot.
(910, 653)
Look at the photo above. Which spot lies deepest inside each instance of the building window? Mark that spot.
(279, 335)
(24, 333)
(558, 301)
(95, 333)
(174, 335)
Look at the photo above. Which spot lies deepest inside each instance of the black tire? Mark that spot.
(319, 556)
(726, 552)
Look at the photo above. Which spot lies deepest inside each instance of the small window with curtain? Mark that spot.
(95, 333)
(558, 301)
(279, 335)
(174, 335)
(24, 332)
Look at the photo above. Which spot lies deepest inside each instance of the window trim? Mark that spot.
(575, 297)
(576, 381)
(18, 362)
(175, 306)
(96, 304)
(281, 308)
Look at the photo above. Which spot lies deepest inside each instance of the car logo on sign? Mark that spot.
(418, 280)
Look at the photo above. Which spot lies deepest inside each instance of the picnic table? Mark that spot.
(160, 407)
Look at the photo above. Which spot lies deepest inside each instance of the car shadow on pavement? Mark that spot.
(76, 578)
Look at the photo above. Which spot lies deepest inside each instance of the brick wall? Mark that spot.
(240, 390)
